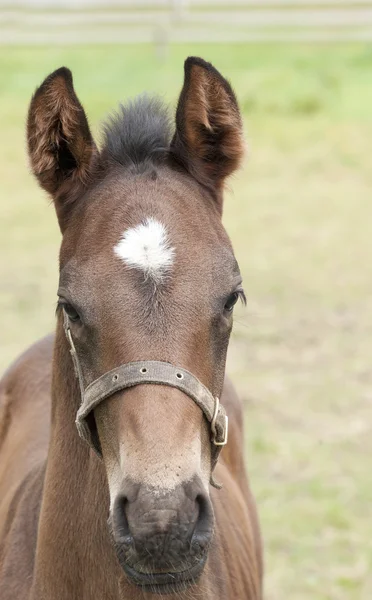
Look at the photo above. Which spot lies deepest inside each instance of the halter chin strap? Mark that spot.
(138, 373)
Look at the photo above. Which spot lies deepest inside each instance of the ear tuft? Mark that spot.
(60, 145)
(209, 134)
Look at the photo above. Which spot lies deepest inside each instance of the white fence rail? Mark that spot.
(177, 21)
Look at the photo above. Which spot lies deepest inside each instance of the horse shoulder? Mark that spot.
(19, 539)
(24, 420)
(233, 475)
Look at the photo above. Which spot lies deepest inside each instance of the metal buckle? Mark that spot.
(213, 425)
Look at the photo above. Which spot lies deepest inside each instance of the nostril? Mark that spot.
(120, 522)
(204, 523)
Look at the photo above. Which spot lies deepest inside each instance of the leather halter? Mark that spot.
(138, 373)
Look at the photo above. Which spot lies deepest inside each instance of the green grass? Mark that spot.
(300, 216)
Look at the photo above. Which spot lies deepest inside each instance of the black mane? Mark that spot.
(139, 133)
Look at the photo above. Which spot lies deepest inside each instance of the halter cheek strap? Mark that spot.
(142, 372)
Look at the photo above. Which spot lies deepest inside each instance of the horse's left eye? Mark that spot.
(231, 301)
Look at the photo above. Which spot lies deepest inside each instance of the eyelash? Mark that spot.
(242, 297)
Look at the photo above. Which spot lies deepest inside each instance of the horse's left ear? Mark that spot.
(61, 148)
(209, 138)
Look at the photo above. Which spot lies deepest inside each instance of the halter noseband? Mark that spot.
(138, 373)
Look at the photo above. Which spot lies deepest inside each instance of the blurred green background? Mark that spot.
(300, 217)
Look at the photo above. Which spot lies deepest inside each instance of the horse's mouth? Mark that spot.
(165, 583)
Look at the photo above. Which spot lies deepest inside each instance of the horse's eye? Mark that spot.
(231, 301)
(70, 311)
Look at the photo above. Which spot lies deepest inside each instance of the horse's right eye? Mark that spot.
(71, 312)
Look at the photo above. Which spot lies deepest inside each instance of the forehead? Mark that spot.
(154, 225)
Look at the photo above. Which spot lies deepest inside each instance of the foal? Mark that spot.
(148, 283)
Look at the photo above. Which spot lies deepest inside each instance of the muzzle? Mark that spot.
(138, 373)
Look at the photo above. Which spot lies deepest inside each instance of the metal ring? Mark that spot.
(224, 441)
(179, 375)
(213, 425)
(214, 418)
(143, 370)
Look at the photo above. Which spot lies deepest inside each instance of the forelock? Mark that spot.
(139, 134)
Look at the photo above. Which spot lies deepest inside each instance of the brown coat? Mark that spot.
(147, 272)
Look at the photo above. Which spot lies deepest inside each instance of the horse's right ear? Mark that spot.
(61, 148)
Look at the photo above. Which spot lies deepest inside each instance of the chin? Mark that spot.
(165, 582)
